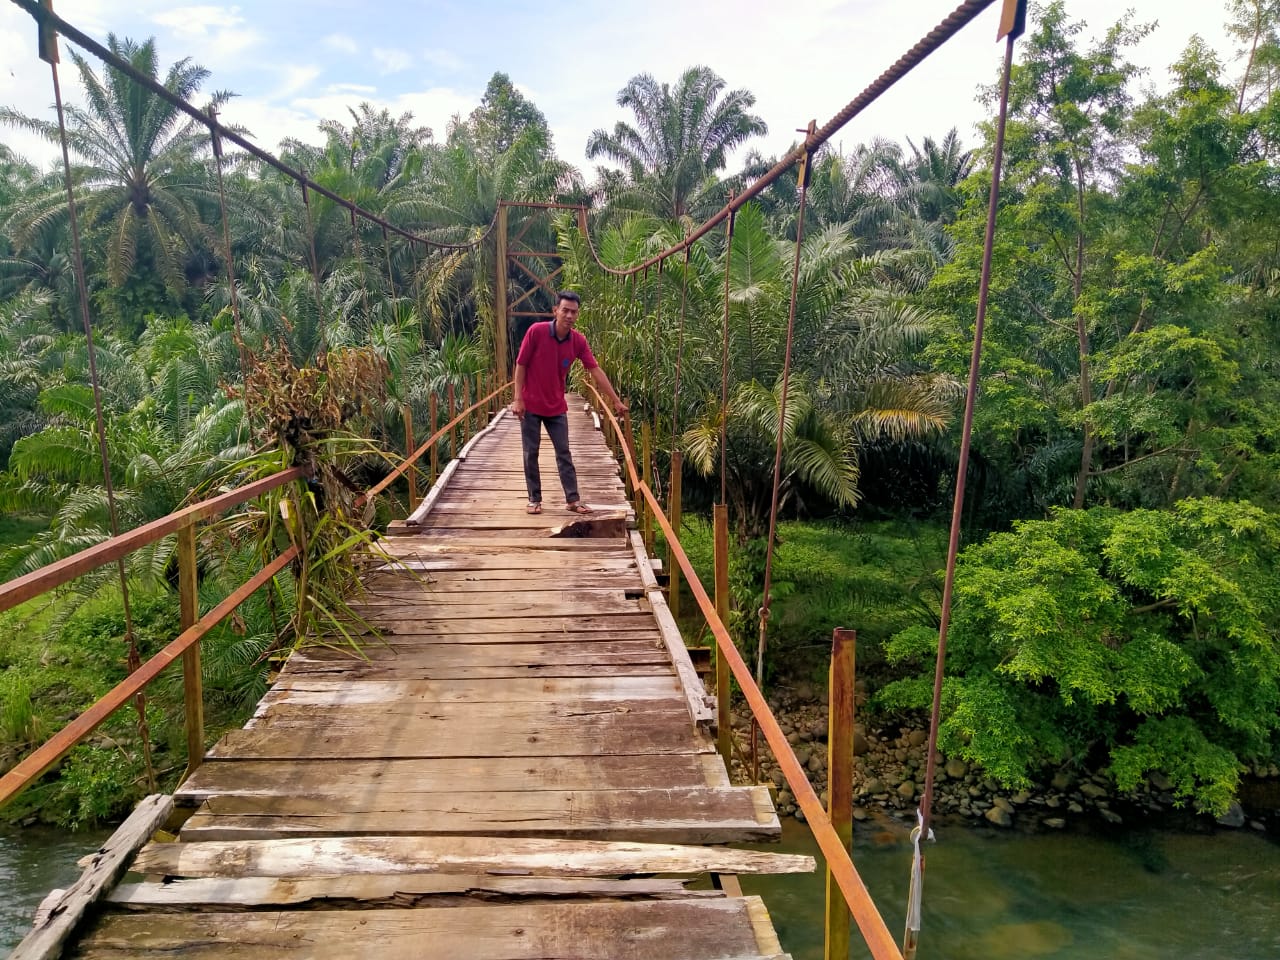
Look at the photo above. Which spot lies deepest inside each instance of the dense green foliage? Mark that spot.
(1116, 606)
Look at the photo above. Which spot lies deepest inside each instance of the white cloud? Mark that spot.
(293, 79)
(443, 59)
(342, 43)
(198, 21)
(391, 60)
(360, 88)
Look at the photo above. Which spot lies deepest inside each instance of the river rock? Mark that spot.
(1159, 781)
(906, 789)
(818, 729)
(1234, 817)
(956, 768)
(1021, 797)
(874, 785)
(1002, 804)
(860, 814)
(916, 738)
(1110, 816)
(1092, 790)
(1055, 823)
(816, 763)
(1062, 781)
(860, 744)
(1001, 818)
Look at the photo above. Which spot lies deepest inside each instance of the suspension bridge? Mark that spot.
(518, 758)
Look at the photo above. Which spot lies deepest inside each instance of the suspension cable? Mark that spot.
(782, 420)
(927, 45)
(49, 20)
(50, 53)
(215, 142)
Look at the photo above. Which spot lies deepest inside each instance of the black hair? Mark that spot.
(568, 295)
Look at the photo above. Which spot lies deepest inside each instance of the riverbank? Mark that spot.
(889, 774)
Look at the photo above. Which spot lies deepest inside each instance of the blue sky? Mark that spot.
(293, 63)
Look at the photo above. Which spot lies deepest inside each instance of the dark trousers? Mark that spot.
(531, 437)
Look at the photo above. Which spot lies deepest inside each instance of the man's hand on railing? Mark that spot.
(619, 406)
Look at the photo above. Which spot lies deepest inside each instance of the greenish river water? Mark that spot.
(993, 895)
(989, 895)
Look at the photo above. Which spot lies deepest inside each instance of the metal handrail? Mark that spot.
(54, 749)
(845, 874)
(62, 571)
(411, 462)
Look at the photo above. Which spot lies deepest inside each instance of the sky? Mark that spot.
(292, 63)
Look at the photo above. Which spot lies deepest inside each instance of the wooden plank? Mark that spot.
(684, 815)
(555, 737)
(578, 690)
(61, 916)
(532, 856)
(440, 608)
(404, 626)
(691, 929)
(230, 777)
(589, 596)
(394, 643)
(396, 670)
(701, 706)
(519, 715)
(224, 893)
(429, 654)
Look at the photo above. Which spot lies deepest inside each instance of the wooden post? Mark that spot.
(844, 645)
(192, 678)
(646, 474)
(724, 716)
(673, 509)
(434, 413)
(500, 307)
(409, 447)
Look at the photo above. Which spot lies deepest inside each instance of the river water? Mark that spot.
(33, 862)
(995, 895)
(988, 895)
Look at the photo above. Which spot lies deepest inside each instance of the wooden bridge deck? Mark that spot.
(521, 768)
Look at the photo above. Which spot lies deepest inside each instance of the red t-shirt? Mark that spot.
(546, 361)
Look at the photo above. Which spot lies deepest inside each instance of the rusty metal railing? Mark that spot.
(186, 645)
(843, 872)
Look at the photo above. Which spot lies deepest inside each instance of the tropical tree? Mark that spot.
(682, 138)
(142, 179)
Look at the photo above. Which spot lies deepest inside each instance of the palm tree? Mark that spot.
(682, 139)
(143, 179)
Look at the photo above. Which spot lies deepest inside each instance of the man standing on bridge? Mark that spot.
(542, 374)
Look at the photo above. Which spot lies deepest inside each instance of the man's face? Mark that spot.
(566, 314)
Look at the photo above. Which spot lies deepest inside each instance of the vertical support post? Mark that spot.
(192, 679)
(500, 308)
(466, 424)
(435, 447)
(844, 644)
(409, 447)
(673, 510)
(646, 474)
(724, 717)
(448, 418)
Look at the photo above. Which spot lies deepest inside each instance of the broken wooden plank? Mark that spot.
(532, 856)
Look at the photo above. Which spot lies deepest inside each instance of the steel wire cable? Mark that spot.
(50, 20)
(130, 636)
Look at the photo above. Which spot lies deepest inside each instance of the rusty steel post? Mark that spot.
(434, 413)
(192, 670)
(642, 506)
(673, 517)
(500, 334)
(409, 447)
(448, 418)
(724, 716)
(844, 645)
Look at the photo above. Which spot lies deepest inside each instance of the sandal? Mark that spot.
(578, 507)
(533, 507)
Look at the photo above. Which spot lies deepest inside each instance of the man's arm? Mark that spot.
(517, 405)
(605, 387)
